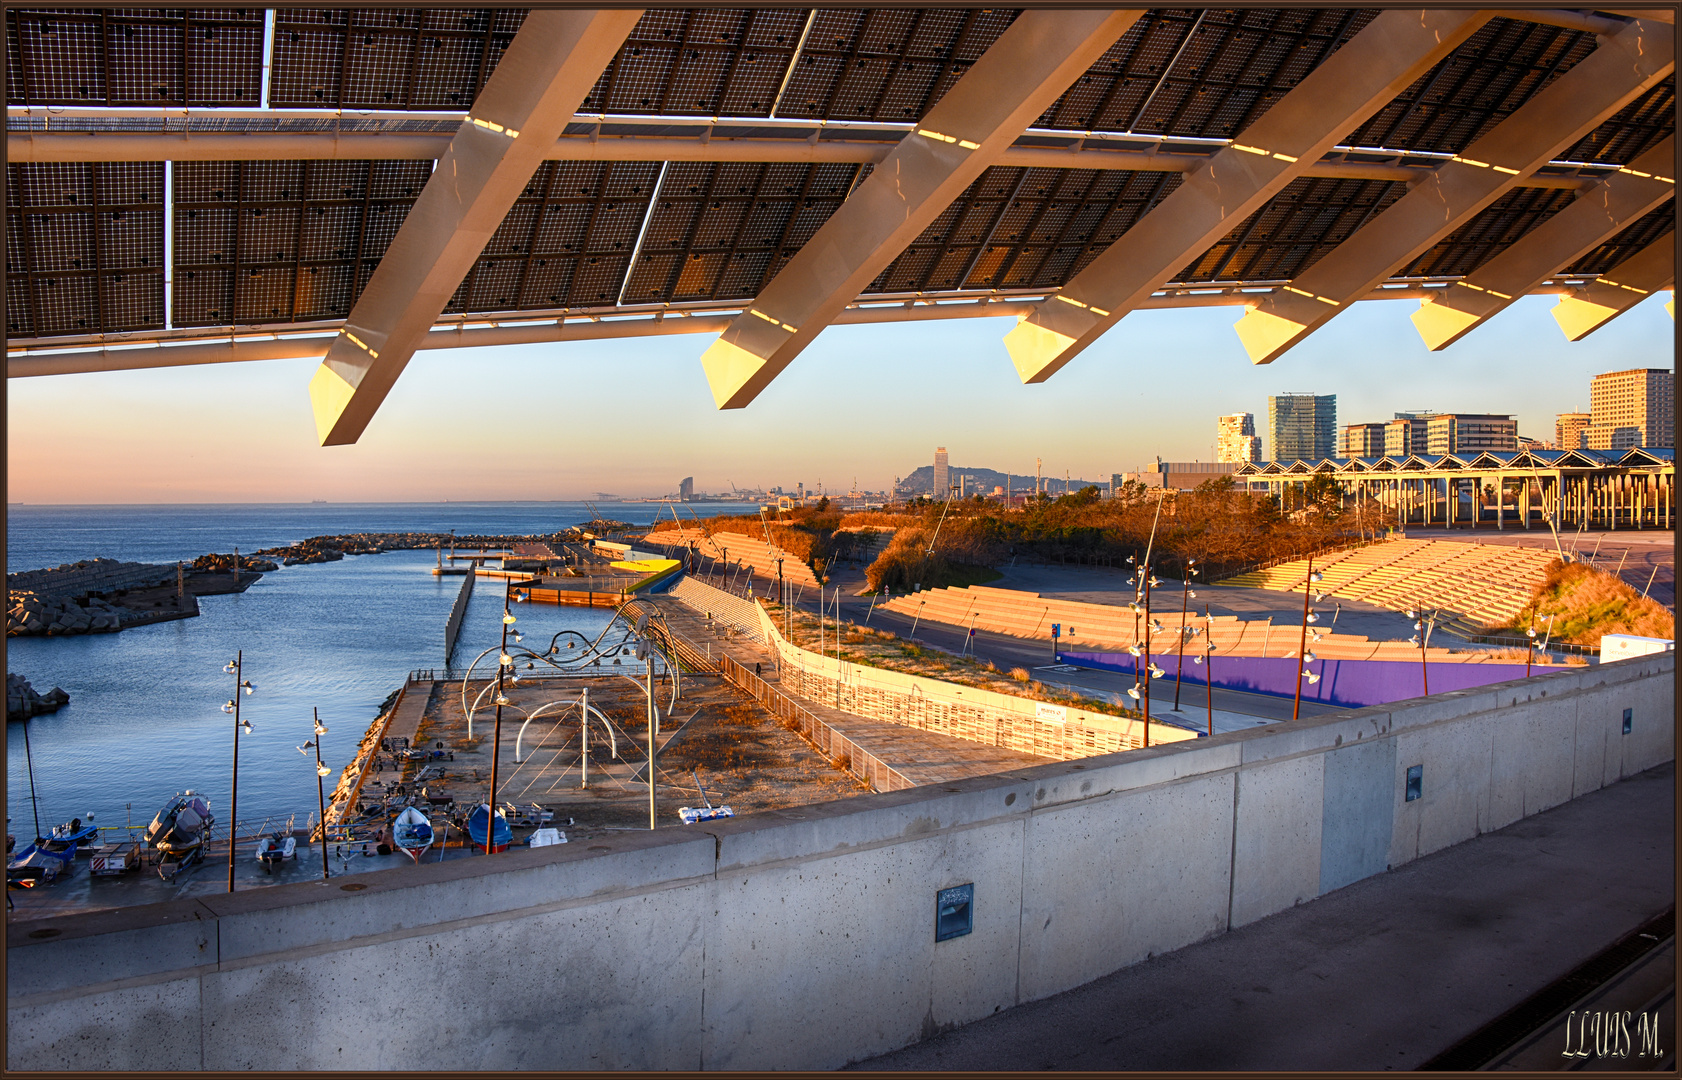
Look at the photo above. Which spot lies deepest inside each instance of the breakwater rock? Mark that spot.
(320, 549)
(22, 701)
(224, 564)
(29, 613)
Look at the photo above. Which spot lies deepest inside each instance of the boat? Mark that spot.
(178, 833)
(276, 849)
(412, 833)
(476, 828)
(72, 836)
(38, 865)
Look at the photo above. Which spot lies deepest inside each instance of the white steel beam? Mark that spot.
(43, 359)
(552, 63)
(1621, 68)
(1583, 311)
(1592, 219)
(1366, 74)
(1021, 75)
(106, 146)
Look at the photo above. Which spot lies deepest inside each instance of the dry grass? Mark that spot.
(1587, 603)
(883, 649)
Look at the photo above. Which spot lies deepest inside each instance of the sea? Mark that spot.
(145, 716)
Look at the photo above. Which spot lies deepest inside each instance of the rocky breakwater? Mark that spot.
(32, 614)
(22, 701)
(320, 549)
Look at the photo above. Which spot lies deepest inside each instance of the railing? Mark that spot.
(841, 750)
(1524, 643)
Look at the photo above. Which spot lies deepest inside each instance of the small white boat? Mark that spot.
(276, 849)
(412, 833)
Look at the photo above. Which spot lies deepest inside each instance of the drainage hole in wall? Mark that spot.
(355, 886)
(46, 932)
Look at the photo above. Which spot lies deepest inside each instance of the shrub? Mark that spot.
(1020, 674)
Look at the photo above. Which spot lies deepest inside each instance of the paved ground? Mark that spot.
(1382, 974)
(1645, 558)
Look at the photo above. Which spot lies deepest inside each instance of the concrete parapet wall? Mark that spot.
(804, 938)
(965, 712)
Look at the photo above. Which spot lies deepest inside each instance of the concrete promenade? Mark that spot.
(1381, 974)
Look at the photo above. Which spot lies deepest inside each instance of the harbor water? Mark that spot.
(144, 719)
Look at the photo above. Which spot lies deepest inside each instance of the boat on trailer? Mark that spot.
(412, 833)
(476, 823)
(178, 833)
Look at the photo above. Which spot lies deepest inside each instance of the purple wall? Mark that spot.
(1351, 684)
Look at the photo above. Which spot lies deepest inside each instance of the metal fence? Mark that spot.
(832, 744)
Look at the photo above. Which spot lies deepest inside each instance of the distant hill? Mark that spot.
(921, 481)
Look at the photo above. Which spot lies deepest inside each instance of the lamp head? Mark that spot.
(508, 618)
(246, 725)
(1312, 679)
(1133, 692)
(320, 728)
(322, 770)
(247, 687)
(228, 708)
(230, 667)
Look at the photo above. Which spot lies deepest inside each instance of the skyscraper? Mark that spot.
(686, 489)
(1302, 426)
(1236, 439)
(1631, 408)
(1568, 429)
(942, 482)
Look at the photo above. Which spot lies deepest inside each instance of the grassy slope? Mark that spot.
(1587, 603)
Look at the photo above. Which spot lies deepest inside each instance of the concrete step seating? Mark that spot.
(1111, 628)
(735, 550)
(1474, 585)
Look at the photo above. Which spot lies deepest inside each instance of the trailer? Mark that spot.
(122, 857)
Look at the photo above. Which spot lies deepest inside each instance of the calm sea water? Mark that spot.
(145, 719)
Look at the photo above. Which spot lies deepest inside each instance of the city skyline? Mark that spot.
(544, 422)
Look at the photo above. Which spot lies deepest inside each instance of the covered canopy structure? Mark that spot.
(202, 186)
(1596, 489)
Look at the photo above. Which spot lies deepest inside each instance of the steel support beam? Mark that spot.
(1359, 79)
(1017, 79)
(1583, 311)
(544, 74)
(44, 360)
(1593, 218)
(1620, 69)
(102, 146)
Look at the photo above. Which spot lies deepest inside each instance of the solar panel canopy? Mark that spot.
(158, 243)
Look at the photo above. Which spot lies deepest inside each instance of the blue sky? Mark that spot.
(633, 416)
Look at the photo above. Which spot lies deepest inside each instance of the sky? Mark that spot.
(863, 404)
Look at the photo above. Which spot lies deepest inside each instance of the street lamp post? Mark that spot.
(1424, 622)
(1209, 675)
(236, 668)
(1185, 599)
(1304, 657)
(320, 793)
(504, 662)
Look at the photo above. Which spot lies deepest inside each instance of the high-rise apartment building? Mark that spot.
(1568, 430)
(942, 481)
(1236, 440)
(1302, 426)
(1631, 408)
(1362, 441)
(1469, 433)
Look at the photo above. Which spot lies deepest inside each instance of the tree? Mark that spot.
(823, 504)
(1324, 496)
